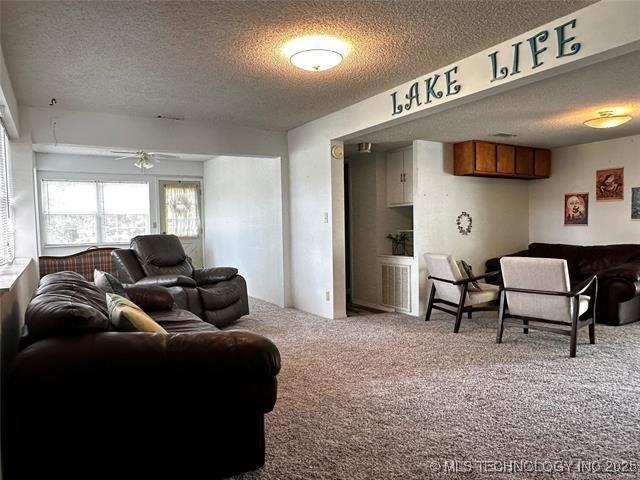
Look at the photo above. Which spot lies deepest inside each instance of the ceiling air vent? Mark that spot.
(168, 117)
(503, 135)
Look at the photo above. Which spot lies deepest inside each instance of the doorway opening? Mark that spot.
(378, 208)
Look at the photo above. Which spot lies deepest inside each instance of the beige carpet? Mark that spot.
(390, 396)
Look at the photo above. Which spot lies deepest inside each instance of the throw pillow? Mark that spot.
(467, 272)
(126, 316)
(108, 283)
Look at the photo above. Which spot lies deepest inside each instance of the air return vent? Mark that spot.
(503, 135)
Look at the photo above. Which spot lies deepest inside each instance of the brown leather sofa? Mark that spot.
(616, 266)
(84, 401)
(217, 295)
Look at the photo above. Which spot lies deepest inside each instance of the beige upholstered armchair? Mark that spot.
(456, 289)
(537, 292)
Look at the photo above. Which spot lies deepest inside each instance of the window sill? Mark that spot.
(86, 245)
(10, 273)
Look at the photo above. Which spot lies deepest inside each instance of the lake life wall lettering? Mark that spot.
(528, 54)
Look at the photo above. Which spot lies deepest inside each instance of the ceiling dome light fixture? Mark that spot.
(316, 53)
(607, 119)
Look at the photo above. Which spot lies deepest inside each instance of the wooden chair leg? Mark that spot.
(592, 325)
(501, 318)
(574, 328)
(427, 316)
(470, 314)
(525, 325)
(463, 297)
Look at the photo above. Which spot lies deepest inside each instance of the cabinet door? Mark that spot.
(485, 157)
(506, 159)
(395, 193)
(524, 161)
(408, 176)
(542, 163)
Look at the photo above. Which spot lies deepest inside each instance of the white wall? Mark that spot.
(52, 166)
(243, 222)
(8, 99)
(498, 207)
(22, 164)
(574, 171)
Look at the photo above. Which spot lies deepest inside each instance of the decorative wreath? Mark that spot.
(462, 229)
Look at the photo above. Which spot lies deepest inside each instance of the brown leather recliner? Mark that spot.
(616, 266)
(217, 295)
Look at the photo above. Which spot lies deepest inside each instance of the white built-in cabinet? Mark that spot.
(400, 178)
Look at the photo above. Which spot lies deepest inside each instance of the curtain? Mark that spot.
(182, 209)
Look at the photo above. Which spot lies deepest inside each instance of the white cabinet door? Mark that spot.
(395, 192)
(408, 176)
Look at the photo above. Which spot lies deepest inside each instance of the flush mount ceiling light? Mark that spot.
(607, 119)
(316, 53)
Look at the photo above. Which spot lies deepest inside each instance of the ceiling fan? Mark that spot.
(145, 160)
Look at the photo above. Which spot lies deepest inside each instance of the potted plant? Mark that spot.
(398, 243)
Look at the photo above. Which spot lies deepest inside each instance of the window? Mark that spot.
(78, 212)
(6, 222)
(182, 209)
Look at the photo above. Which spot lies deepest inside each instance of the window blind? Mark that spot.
(6, 223)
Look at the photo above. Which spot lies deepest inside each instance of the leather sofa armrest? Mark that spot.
(150, 298)
(493, 264)
(167, 280)
(626, 271)
(207, 276)
(225, 355)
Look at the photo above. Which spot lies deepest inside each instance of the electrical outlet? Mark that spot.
(327, 296)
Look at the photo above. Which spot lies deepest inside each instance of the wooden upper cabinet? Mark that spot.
(486, 159)
(464, 162)
(506, 159)
(524, 161)
(542, 163)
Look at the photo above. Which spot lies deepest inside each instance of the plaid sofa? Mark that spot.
(84, 262)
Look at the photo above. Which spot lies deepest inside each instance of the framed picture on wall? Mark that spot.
(576, 208)
(635, 203)
(610, 184)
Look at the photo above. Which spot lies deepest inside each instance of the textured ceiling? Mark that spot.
(544, 114)
(222, 60)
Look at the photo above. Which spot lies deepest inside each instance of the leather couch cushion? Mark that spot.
(150, 298)
(161, 254)
(74, 285)
(219, 295)
(181, 321)
(60, 313)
